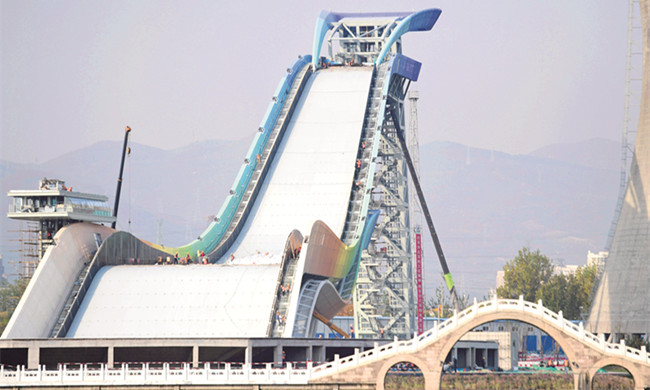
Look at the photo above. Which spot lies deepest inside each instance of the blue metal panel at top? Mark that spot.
(548, 344)
(424, 20)
(406, 67)
(531, 343)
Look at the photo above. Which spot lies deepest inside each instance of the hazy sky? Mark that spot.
(507, 75)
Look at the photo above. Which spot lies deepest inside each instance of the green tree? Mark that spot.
(573, 295)
(554, 292)
(579, 292)
(10, 293)
(525, 274)
(531, 274)
(586, 279)
(636, 341)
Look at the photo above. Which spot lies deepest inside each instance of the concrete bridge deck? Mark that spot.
(586, 352)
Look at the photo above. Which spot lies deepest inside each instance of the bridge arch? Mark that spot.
(614, 361)
(585, 351)
(526, 318)
(425, 367)
(522, 317)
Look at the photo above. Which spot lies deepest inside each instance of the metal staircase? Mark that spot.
(362, 185)
(281, 307)
(383, 283)
(262, 167)
(308, 295)
(80, 285)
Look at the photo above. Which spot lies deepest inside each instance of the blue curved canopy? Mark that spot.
(418, 21)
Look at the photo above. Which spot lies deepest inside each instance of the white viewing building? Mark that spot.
(53, 206)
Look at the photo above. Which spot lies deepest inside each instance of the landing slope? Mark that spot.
(310, 179)
(312, 174)
(177, 301)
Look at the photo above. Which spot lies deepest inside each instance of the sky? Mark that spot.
(505, 75)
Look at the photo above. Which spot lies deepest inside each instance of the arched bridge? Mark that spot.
(587, 353)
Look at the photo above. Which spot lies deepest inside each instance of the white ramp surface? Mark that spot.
(177, 301)
(310, 179)
(311, 176)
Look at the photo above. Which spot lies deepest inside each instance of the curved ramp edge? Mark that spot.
(53, 280)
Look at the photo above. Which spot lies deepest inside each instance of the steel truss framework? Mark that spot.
(360, 41)
(384, 285)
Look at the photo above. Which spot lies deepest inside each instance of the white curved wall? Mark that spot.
(40, 305)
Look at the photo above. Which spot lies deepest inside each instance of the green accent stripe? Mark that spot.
(449, 281)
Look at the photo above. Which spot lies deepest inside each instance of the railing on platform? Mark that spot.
(159, 373)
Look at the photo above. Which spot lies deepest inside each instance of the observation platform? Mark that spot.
(53, 206)
(53, 201)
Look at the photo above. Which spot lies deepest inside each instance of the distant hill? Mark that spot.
(485, 204)
(595, 153)
(178, 188)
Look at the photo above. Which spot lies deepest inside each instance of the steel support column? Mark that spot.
(383, 298)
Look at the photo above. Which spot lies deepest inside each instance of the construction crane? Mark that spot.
(119, 179)
(425, 210)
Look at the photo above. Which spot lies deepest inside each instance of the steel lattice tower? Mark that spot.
(622, 301)
(383, 299)
(416, 212)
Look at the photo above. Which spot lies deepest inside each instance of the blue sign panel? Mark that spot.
(406, 67)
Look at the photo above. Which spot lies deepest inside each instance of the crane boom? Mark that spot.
(119, 179)
(425, 210)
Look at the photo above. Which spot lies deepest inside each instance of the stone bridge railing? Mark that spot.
(478, 309)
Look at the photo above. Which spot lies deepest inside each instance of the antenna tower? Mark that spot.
(416, 211)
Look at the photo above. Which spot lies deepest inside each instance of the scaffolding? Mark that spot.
(29, 249)
(42, 212)
(631, 110)
(633, 79)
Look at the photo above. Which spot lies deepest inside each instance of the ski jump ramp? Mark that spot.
(297, 215)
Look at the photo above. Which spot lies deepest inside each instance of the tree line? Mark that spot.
(10, 293)
(533, 275)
